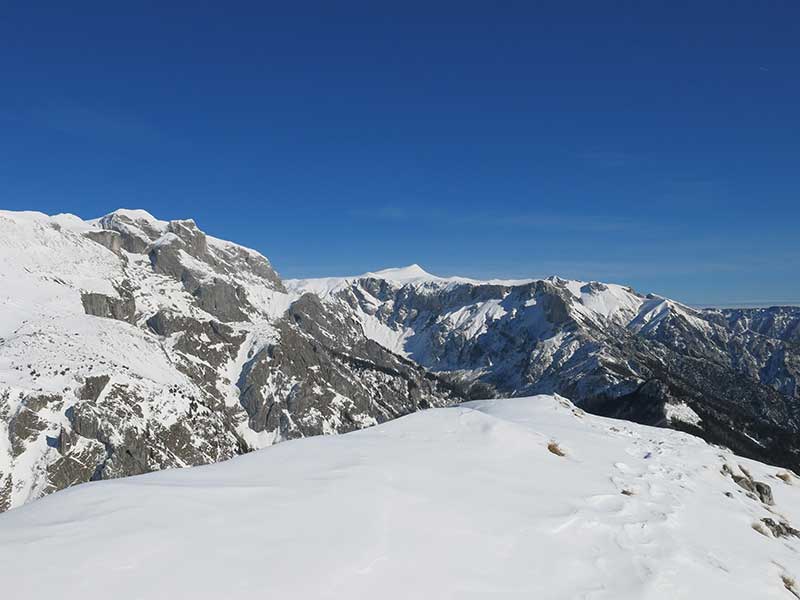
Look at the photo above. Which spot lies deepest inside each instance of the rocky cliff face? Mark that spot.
(730, 376)
(129, 344)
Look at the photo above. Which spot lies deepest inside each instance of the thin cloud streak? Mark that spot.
(528, 221)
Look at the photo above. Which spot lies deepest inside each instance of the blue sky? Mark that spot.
(657, 146)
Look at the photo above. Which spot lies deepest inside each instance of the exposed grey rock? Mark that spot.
(122, 308)
(223, 300)
(93, 387)
(780, 529)
(5, 493)
(324, 376)
(193, 239)
(745, 483)
(235, 259)
(213, 294)
(108, 238)
(764, 492)
(75, 467)
(135, 236)
(212, 342)
(25, 424)
(132, 445)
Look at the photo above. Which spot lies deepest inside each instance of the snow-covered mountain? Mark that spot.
(130, 344)
(522, 498)
(728, 375)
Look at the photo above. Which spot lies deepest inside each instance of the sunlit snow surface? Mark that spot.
(464, 502)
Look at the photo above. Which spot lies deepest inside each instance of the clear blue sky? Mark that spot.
(658, 146)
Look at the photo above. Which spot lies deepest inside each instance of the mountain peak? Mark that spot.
(134, 214)
(408, 274)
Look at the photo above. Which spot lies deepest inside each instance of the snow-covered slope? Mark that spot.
(523, 498)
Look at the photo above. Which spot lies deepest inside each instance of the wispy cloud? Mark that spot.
(607, 159)
(619, 271)
(576, 223)
(582, 223)
(385, 213)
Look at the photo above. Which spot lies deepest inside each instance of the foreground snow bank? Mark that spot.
(523, 498)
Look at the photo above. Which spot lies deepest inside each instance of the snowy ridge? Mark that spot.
(594, 302)
(388, 324)
(524, 498)
(736, 371)
(413, 275)
(600, 300)
(655, 310)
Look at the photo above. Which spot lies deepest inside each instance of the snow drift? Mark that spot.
(518, 498)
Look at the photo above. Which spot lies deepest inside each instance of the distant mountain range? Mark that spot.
(729, 375)
(130, 344)
(729, 305)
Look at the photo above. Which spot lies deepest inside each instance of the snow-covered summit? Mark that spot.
(398, 276)
(135, 214)
(411, 273)
(523, 498)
